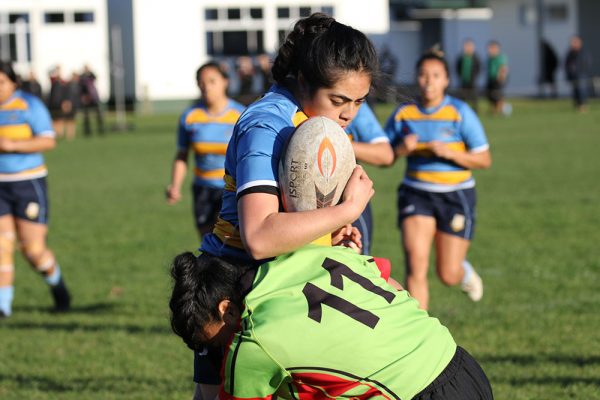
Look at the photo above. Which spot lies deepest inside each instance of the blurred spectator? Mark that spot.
(245, 72)
(388, 64)
(548, 68)
(497, 73)
(56, 100)
(90, 101)
(70, 105)
(577, 65)
(264, 71)
(31, 85)
(468, 66)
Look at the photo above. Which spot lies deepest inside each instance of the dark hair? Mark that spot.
(7, 69)
(433, 54)
(200, 284)
(321, 49)
(211, 64)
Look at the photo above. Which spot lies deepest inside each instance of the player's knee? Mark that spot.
(38, 255)
(450, 275)
(7, 248)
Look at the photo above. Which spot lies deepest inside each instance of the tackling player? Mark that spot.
(25, 132)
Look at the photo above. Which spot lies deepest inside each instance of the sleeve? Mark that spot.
(39, 118)
(472, 131)
(366, 128)
(249, 372)
(258, 150)
(183, 137)
(393, 129)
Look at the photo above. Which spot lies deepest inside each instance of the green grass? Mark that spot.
(537, 247)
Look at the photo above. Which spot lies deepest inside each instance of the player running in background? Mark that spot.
(206, 127)
(372, 146)
(318, 323)
(323, 68)
(25, 132)
(443, 141)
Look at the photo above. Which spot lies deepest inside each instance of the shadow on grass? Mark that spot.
(113, 384)
(87, 327)
(531, 359)
(95, 308)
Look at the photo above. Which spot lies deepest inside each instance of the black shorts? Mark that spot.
(26, 200)
(462, 379)
(207, 205)
(207, 365)
(454, 212)
(495, 91)
(364, 224)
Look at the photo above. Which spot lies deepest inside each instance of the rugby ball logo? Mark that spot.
(315, 165)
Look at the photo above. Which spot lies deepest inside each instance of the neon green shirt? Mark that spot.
(321, 321)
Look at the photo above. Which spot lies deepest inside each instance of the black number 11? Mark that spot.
(316, 296)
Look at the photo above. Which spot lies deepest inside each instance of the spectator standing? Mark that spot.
(468, 66)
(90, 101)
(548, 66)
(70, 105)
(56, 105)
(576, 69)
(31, 85)
(497, 73)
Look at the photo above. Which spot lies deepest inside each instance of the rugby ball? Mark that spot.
(315, 166)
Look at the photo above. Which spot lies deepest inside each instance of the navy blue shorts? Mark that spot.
(207, 205)
(462, 379)
(26, 200)
(364, 224)
(454, 212)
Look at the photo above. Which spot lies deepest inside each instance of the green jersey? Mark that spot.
(321, 323)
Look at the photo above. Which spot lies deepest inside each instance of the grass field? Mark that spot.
(537, 248)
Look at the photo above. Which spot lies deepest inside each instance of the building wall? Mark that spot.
(171, 42)
(68, 44)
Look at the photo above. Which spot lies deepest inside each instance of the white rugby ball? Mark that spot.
(315, 166)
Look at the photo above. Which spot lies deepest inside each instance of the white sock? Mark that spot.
(53, 278)
(468, 271)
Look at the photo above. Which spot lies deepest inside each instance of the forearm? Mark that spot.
(178, 173)
(33, 145)
(379, 154)
(282, 232)
(480, 160)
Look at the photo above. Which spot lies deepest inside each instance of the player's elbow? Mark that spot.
(257, 248)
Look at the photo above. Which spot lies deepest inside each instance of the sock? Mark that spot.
(468, 271)
(54, 278)
(6, 299)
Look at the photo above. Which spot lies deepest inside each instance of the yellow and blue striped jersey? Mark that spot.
(208, 135)
(454, 123)
(22, 117)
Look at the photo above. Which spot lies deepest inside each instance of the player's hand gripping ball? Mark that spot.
(315, 166)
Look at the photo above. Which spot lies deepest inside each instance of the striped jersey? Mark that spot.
(208, 135)
(454, 123)
(321, 323)
(365, 127)
(251, 163)
(22, 117)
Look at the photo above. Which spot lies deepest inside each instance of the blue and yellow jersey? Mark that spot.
(454, 123)
(251, 163)
(208, 135)
(22, 117)
(365, 127)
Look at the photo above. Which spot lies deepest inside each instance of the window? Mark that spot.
(233, 13)
(557, 12)
(211, 14)
(283, 12)
(83, 17)
(328, 11)
(256, 13)
(304, 12)
(54, 17)
(15, 40)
